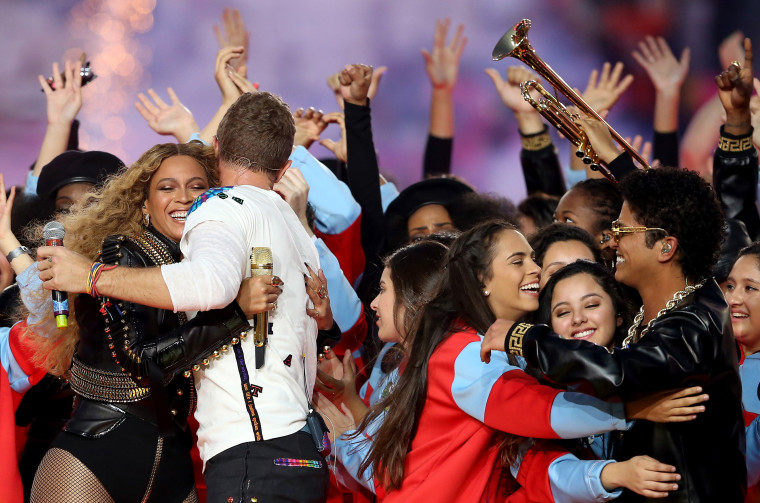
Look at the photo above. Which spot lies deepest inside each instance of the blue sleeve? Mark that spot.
(576, 415)
(388, 192)
(344, 302)
(31, 184)
(335, 208)
(36, 299)
(197, 137)
(350, 454)
(572, 479)
(573, 415)
(17, 377)
(753, 452)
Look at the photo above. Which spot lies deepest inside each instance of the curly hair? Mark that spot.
(116, 208)
(603, 198)
(683, 204)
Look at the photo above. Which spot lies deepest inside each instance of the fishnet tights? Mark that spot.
(62, 478)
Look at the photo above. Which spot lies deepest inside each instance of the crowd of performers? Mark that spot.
(437, 343)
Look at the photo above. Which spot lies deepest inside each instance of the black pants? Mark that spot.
(269, 471)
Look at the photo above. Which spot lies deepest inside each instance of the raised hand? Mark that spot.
(309, 125)
(354, 82)
(442, 64)
(234, 35)
(509, 89)
(164, 119)
(643, 148)
(605, 88)
(665, 71)
(223, 74)
(735, 83)
(333, 82)
(63, 105)
(731, 49)
(339, 148)
(64, 99)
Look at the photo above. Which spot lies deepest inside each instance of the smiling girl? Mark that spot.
(583, 301)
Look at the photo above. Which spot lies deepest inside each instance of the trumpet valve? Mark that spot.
(580, 153)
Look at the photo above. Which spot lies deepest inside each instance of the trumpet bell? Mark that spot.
(511, 41)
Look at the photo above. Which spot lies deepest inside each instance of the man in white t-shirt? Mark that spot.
(259, 448)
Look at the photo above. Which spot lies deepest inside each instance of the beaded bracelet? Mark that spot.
(92, 279)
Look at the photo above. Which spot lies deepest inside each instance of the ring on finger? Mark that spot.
(274, 305)
(322, 292)
(276, 281)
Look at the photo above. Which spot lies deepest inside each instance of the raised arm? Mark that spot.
(602, 91)
(667, 75)
(735, 162)
(442, 67)
(231, 84)
(234, 34)
(64, 100)
(538, 157)
(175, 120)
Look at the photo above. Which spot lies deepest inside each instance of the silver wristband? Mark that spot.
(21, 250)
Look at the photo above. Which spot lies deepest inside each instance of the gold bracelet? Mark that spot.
(537, 142)
(734, 144)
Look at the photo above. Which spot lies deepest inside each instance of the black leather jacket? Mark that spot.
(735, 179)
(691, 345)
(146, 351)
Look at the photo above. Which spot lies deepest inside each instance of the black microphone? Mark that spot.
(261, 265)
(53, 234)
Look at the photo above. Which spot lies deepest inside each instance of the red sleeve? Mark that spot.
(534, 470)
(23, 354)
(10, 479)
(347, 248)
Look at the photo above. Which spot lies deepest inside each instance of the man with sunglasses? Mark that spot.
(667, 238)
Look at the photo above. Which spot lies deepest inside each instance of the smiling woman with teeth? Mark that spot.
(583, 301)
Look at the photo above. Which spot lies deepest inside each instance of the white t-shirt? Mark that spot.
(217, 242)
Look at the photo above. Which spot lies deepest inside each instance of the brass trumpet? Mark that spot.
(515, 43)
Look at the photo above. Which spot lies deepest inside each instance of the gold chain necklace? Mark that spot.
(677, 297)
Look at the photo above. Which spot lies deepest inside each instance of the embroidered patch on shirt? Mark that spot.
(287, 361)
(216, 191)
(306, 463)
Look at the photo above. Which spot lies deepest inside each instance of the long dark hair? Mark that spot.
(603, 278)
(459, 301)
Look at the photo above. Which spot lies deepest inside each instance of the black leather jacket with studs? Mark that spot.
(137, 359)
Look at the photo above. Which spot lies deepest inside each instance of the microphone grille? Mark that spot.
(261, 261)
(53, 230)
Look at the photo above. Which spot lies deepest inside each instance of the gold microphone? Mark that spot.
(261, 265)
